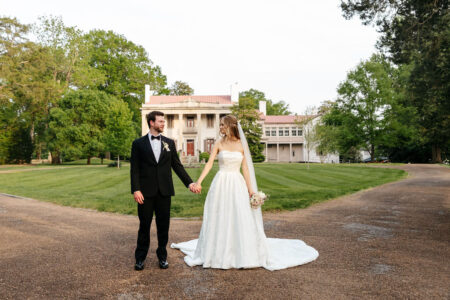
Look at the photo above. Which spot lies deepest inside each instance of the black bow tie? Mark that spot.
(156, 137)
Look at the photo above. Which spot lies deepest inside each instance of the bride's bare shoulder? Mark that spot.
(239, 147)
(218, 144)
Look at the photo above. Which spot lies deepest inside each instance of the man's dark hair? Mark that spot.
(151, 116)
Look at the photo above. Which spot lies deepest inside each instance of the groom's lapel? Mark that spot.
(163, 150)
(149, 151)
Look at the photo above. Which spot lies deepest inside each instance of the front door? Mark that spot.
(190, 147)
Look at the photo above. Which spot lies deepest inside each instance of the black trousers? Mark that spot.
(161, 206)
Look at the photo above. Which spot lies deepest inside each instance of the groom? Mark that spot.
(153, 157)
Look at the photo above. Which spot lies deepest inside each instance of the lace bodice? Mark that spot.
(230, 161)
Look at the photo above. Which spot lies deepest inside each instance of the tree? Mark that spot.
(119, 130)
(416, 33)
(36, 74)
(126, 68)
(13, 42)
(66, 67)
(245, 112)
(26, 89)
(366, 96)
(272, 108)
(21, 146)
(180, 88)
(369, 113)
(306, 122)
(70, 55)
(78, 125)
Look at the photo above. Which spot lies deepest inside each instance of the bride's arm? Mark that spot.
(246, 174)
(209, 164)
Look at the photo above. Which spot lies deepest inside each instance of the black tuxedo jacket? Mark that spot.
(149, 176)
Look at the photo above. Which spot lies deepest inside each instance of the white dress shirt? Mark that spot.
(156, 145)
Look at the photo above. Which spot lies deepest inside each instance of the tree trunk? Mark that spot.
(39, 151)
(118, 161)
(32, 132)
(372, 152)
(436, 154)
(101, 161)
(55, 158)
(89, 160)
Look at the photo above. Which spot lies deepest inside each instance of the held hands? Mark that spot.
(195, 188)
(138, 197)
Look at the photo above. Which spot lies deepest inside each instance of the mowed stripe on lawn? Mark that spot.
(290, 186)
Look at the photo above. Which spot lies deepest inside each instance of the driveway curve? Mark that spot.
(391, 241)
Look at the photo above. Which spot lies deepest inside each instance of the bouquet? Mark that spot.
(257, 199)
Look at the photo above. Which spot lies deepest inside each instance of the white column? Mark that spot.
(147, 94)
(180, 133)
(217, 126)
(278, 152)
(290, 152)
(199, 131)
(144, 125)
(266, 152)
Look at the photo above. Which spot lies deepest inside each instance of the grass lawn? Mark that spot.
(82, 162)
(94, 161)
(290, 186)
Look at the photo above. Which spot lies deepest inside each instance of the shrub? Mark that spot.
(113, 164)
(204, 156)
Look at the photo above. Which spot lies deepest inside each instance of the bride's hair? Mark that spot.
(231, 127)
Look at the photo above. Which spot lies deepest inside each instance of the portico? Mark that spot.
(192, 121)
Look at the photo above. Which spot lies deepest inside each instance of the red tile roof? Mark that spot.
(225, 99)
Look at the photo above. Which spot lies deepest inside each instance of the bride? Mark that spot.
(232, 233)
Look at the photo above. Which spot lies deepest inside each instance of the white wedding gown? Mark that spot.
(232, 233)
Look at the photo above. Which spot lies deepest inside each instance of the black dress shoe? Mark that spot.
(139, 266)
(163, 264)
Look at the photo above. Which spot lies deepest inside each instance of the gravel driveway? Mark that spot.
(392, 241)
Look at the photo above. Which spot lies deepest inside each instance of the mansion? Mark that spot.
(193, 122)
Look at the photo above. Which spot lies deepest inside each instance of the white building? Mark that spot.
(193, 122)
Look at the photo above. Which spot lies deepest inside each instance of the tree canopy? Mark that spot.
(47, 67)
(272, 108)
(416, 33)
(248, 116)
(368, 114)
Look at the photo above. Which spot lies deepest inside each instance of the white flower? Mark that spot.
(166, 146)
(257, 199)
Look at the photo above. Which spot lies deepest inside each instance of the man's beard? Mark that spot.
(158, 129)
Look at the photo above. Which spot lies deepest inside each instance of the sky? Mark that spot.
(297, 51)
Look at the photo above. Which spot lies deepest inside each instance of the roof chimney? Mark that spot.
(262, 106)
(234, 92)
(147, 94)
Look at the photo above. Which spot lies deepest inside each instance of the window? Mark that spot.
(273, 132)
(286, 132)
(300, 132)
(190, 122)
(280, 132)
(210, 121)
(170, 121)
(267, 131)
(294, 131)
(209, 143)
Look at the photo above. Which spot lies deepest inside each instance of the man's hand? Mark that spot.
(195, 188)
(138, 197)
